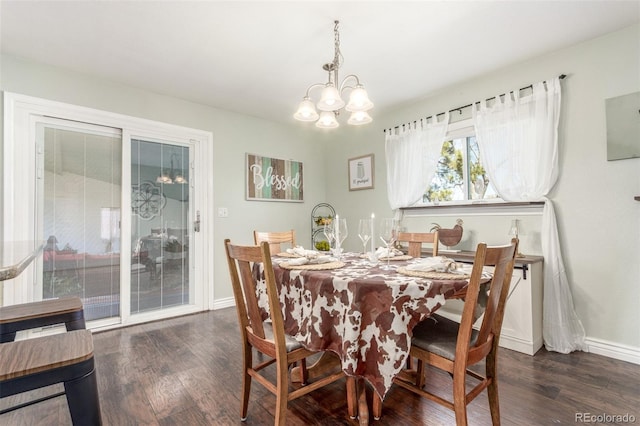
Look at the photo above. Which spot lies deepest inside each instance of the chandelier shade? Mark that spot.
(331, 97)
(359, 117)
(327, 120)
(169, 177)
(359, 100)
(306, 111)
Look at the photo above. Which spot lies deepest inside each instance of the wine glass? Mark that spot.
(364, 233)
(388, 235)
(340, 233)
(328, 233)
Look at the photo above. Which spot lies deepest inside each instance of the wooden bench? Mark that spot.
(60, 358)
(26, 316)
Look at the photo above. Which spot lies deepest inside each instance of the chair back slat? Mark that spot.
(245, 276)
(249, 287)
(275, 239)
(416, 239)
(241, 260)
(502, 258)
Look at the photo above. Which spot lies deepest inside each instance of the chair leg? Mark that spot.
(459, 399)
(377, 406)
(409, 363)
(83, 401)
(420, 372)
(304, 375)
(492, 389)
(352, 397)
(247, 363)
(282, 391)
(494, 404)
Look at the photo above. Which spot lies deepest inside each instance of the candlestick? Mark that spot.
(373, 248)
(336, 230)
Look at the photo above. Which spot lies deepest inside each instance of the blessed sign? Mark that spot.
(271, 179)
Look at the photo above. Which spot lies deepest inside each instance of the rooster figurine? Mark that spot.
(449, 237)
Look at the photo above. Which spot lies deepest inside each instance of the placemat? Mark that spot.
(433, 274)
(313, 266)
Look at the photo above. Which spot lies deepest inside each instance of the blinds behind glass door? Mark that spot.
(80, 188)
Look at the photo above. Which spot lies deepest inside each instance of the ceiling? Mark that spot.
(258, 58)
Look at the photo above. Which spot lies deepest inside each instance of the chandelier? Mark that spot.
(169, 177)
(331, 101)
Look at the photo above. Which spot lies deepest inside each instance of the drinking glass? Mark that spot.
(328, 233)
(364, 233)
(388, 235)
(340, 233)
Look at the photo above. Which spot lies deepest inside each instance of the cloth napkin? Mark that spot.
(301, 252)
(298, 261)
(382, 252)
(436, 264)
(316, 260)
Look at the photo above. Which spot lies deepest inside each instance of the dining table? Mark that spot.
(360, 311)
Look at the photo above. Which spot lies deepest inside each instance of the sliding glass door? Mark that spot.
(80, 195)
(125, 261)
(116, 201)
(160, 231)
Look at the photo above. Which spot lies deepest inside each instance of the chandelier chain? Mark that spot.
(337, 58)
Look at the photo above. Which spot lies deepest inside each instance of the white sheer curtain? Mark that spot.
(518, 142)
(412, 157)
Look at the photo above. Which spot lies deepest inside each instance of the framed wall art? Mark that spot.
(361, 172)
(272, 179)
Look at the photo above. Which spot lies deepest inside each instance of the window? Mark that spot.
(460, 175)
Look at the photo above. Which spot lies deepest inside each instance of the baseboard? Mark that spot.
(223, 303)
(613, 350)
(519, 345)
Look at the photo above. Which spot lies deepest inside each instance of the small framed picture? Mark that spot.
(361, 172)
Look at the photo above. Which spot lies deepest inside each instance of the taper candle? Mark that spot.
(373, 238)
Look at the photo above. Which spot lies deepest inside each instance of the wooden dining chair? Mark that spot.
(265, 335)
(416, 239)
(275, 239)
(454, 347)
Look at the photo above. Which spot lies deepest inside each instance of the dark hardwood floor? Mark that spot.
(186, 371)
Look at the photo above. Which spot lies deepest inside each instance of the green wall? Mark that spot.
(599, 220)
(233, 135)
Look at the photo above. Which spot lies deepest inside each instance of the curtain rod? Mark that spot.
(562, 77)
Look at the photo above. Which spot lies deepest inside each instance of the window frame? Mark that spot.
(462, 128)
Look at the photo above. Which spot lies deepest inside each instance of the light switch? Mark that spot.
(223, 212)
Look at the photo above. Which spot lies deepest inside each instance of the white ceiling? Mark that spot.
(259, 57)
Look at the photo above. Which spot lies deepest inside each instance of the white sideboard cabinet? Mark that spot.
(522, 325)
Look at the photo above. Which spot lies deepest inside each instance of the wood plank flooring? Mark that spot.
(186, 371)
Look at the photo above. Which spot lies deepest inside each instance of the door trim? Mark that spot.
(19, 153)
